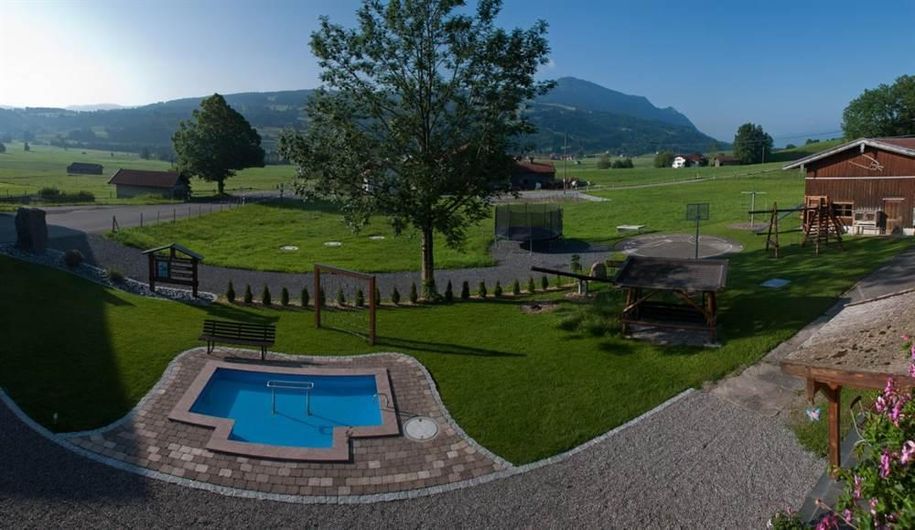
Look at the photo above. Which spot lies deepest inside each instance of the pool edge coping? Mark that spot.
(508, 469)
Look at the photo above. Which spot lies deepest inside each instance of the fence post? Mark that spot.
(157, 216)
(141, 219)
(174, 214)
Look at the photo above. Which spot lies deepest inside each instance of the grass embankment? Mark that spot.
(525, 386)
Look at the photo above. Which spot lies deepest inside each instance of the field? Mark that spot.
(25, 172)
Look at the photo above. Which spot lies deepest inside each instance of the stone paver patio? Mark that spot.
(146, 438)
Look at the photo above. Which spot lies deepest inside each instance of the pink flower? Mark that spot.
(857, 491)
(908, 452)
(905, 338)
(873, 505)
(828, 522)
(885, 461)
(912, 369)
(890, 389)
(880, 404)
(896, 413)
(848, 516)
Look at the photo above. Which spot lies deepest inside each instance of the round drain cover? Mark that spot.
(420, 428)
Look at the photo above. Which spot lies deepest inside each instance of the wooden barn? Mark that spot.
(531, 175)
(135, 182)
(870, 183)
(84, 168)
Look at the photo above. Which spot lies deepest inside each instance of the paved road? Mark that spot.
(700, 463)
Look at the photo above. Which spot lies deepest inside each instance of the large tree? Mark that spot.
(420, 104)
(888, 110)
(752, 144)
(216, 142)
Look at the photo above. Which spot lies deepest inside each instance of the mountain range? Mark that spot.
(577, 116)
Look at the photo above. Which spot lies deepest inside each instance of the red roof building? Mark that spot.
(135, 182)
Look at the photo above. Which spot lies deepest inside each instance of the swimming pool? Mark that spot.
(288, 413)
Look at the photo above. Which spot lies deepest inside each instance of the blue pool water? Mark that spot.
(245, 397)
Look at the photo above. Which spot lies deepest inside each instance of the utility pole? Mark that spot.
(752, 195)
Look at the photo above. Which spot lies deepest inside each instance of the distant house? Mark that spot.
(134, 182)
(725, 160)
(531, 175)
(690, 160)
(82, 168)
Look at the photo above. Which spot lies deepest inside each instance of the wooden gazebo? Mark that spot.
(694, 284)
(174, 264)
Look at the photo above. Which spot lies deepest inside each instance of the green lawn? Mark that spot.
(25, 172)
(89, 353)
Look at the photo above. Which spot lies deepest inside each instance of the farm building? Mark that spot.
(870, 182)
(725, 160)
(691, 160)
(134, 182)
(532, 175)
(83, 168)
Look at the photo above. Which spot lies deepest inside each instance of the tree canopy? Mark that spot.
(216, 142)
(2, 148)
(888, 110)
(752, 144)
(420, 105)
(664, 159)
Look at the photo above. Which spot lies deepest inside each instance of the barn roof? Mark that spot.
(899, 145)
(145, 178)
(535, 167)
(84, 165)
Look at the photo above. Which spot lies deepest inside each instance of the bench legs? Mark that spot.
(263, 353)
(210, 347)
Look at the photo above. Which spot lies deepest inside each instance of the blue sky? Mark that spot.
(790, 66)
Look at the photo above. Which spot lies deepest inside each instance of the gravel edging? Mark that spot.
(63, 440)
(55, 259)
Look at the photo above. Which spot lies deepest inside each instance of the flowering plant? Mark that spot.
(880, 489)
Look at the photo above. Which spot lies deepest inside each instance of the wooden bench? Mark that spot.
(243, 333)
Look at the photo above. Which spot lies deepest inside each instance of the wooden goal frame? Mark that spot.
(334, 271)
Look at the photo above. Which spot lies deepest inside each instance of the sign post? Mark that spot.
(697, 212)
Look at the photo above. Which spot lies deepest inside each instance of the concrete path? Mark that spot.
(699, 463)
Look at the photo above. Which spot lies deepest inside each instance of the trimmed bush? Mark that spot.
(341, 298)
(265, 296)
(449, 293)
(544, 283)
(558, 281)
(430, 292)
(115, 275)
(230, 293)
(395, 296)
(497, 291)
(465, 291)
(304, 297)
(481, 291)
(249, 296)
(414, 296)
(73, 258)
(531, 286)
(284, 297)
(360, 298)
(516, 288)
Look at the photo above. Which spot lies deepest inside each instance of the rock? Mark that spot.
(31, 230)
(599, 270)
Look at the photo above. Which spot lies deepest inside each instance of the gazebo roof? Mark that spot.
(673, 274)
(178, 248)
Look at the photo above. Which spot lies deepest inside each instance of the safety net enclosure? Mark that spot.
(528, 221)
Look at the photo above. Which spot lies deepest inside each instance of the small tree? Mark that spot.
(622, 163)
(26, 147)
(216, 142)
(531, 286)
(230, 293)
(449, 293)
(2, 148)
(558, 281)
(414, 296)
(516, 288)
(395, 296)
(265, 296)
(752, 144)
(304, 297)
(144, 153)
(360, 298)
(341, 298)
(497, 291)
(603, 162)
(664, 159)
(249, 296)
(465, 291)
(284, 297)
(544, 283)
(481, 291)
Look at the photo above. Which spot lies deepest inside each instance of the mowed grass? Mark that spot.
(525, 386)
(251, 237)
(26, 172)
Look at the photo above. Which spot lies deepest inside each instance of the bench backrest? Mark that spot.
(239, 330)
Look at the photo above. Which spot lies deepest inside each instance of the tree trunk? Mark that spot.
(427, 276)
(221, 186)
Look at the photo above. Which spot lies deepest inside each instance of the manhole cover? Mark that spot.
(376, 238)
(420, 428)
(333, 244)
(289, 248)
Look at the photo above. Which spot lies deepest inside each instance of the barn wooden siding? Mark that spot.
(842, 178)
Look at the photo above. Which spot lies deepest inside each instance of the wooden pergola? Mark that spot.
(829, 366)
(694, 283)
(174, 264)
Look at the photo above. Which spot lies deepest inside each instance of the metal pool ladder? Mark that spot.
(304, 386)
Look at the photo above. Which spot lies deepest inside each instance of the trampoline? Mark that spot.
(528, 222)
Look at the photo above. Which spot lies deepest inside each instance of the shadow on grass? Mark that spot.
(438, 347)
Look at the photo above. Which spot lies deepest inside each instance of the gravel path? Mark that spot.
(699, 463)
